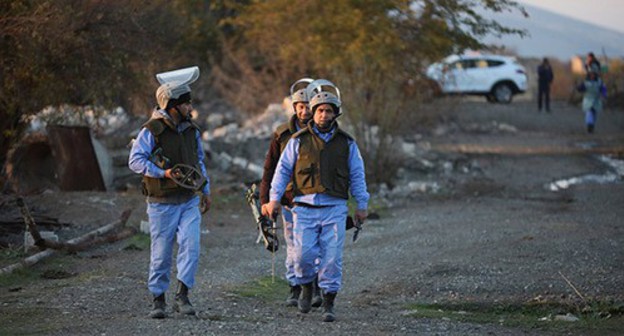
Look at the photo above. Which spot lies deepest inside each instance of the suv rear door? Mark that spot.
(458, 76)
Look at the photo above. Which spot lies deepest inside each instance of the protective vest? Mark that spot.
(322, 167)
(175, 148)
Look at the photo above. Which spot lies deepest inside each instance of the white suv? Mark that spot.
(496, 77)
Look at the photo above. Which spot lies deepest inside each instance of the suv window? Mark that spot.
(467, 64)
(482, 63)
(493, 63)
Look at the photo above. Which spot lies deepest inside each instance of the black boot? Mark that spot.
(590, 128)
(293, 298)
(305, 300)
(182, 304)
(317, 300)
(328, 307)
(158, 310)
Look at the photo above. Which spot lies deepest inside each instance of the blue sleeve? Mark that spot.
(139, 160)
(357, 177)
(284, 170)
(202, 156)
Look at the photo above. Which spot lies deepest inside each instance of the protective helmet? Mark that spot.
(326, 98)
(301, 95)
(172, 94)
(175, 86)
(322, 85)
(306, 81)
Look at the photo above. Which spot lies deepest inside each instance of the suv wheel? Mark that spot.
(503, 93)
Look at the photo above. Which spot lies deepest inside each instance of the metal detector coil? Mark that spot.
(188, 177)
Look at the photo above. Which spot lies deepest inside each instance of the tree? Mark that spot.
(93, 52)
(373, 50)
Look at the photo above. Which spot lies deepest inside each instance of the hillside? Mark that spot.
(557, 36)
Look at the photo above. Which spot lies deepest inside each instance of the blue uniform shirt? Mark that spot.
(286, 165)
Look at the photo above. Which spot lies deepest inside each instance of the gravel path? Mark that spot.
(494, 237)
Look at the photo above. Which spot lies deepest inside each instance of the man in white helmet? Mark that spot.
(282, 134)
(325, 166)
(167, 139)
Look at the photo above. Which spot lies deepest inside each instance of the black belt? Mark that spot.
(306, 205)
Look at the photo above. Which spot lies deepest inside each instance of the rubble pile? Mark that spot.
(235, 148)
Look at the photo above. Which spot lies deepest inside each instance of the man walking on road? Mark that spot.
(324, 164)
(167, 139)
(282, 134)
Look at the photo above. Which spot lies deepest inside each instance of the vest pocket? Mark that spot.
(341, 182)
(308, 176)
(167, 184)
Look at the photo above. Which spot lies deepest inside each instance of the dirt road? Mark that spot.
(495, 251)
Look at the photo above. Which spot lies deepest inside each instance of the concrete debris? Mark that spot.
(237, 148)
(566, 318)
(614, 173)
(102, 121)
(144, 227)
(29, 241)
(414, 187)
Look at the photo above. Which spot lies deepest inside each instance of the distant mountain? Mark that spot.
(558, 36)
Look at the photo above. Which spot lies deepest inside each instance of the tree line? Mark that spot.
(105, 53)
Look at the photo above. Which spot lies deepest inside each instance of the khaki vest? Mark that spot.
(178, 148)
(322, 167)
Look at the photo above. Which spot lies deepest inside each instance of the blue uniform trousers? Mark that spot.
(319, 233)
(166, 222)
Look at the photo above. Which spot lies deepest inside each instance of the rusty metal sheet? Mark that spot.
(77, 166)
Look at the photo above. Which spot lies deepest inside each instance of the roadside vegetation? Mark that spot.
(104, 54)
(596, 318)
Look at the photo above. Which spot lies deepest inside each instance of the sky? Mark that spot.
(605, 13)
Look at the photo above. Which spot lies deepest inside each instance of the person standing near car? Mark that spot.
(592, 65)
(168, 138)
(593, 91)
(544, 80)
(324, 165)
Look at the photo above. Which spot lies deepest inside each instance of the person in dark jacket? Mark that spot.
(544, 79)
(592, 65)
(282, 134)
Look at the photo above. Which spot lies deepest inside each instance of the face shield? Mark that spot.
(175, 85)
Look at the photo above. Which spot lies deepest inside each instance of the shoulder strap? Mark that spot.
(300, 132)
(156, 127)
(281, 129)
(349, 136)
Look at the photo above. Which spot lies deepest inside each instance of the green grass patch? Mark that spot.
(374, 206)
(263, 288)
(29, 321)
(596, 318)
(11, 255)
(138, 242)
(19, 277)
(28, 274)
(227, 199)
